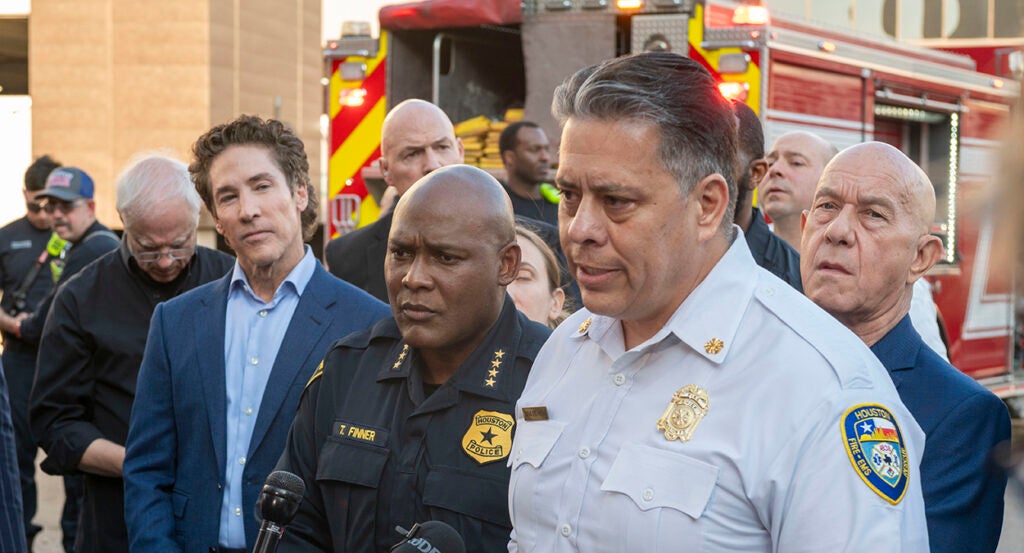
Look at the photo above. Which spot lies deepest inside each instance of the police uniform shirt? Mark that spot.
(725, 431)
(376, 452)
(21, 243)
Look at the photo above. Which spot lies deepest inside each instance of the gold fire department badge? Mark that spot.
(688, 406)
(489, 437)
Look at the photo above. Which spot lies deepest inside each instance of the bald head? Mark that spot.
(451, 253)
(416, 138)
(866, 238)
(909, 182)
(795, 162)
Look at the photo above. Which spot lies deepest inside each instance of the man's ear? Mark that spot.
(929, 250)
(712, 196)
(803, 220)
(510, 257)
(758, 169)
(383, 164)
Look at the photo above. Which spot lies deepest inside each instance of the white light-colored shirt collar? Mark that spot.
(298, 278)
(712, 311)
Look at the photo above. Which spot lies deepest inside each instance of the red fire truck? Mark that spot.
(477, 57)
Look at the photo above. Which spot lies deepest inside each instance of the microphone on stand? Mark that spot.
(279, 501)
(432, 536)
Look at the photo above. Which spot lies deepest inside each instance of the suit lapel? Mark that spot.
(308, 324)
(208, 325)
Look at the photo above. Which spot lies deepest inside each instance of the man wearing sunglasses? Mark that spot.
(93, 341)
(25, 283)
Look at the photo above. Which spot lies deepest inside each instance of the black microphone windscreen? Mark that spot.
(282, 493)
(286, 481)
(434, 536)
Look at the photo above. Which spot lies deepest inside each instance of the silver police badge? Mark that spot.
(688, 406)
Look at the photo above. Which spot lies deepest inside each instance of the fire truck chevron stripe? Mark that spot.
(349, 117)
(364, 142)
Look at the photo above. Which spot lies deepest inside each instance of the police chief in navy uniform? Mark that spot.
(413, 419)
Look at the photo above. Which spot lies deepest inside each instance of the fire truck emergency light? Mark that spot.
(750, 14)
(733, 91)
(352, 97)
(629, 4)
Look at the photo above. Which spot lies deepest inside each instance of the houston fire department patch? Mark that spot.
(875, 445)
(489, 437)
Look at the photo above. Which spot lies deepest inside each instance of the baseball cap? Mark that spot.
(68, 184)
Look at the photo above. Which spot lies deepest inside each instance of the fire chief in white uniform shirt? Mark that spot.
(698, 403)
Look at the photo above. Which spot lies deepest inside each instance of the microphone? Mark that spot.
(279, 501)
(432, 536)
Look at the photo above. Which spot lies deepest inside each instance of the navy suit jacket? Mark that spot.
(174, 468)
(962, 422)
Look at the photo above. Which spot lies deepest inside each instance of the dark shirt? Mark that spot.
(375, 451)
(358, 257)
(21, 243)
(772, 252)
(12, 527)
(962, 422)
(96, 241)
(539, 208)
(89, 358)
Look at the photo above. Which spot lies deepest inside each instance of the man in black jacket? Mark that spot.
(416, 138)
(93, 342)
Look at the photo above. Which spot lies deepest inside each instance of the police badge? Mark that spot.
(874, 444)
(688, 406)
(489, 437)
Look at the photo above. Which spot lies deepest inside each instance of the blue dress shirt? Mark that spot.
(252, 336)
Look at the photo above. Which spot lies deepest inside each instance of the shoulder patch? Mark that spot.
(874, 443)
(316, 374)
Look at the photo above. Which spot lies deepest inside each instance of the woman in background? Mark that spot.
(536, 291)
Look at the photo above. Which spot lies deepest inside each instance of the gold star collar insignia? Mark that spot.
(401, 357)
(713, 346)
(492, 374)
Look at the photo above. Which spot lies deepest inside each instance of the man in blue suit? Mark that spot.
(225, 364)
(865, 242)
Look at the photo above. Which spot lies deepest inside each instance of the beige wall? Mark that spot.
(110, 78)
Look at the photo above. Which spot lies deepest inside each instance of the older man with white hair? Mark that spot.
(94, 338)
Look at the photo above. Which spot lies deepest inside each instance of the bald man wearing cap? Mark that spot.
(412, 420)
(416, 138)
(865, 242)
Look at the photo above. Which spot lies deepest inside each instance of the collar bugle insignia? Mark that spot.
(586, 325)
(874, 443)
(688, 406)
(489, 437)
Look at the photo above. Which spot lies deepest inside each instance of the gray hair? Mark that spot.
(149, 182)
(676, 94)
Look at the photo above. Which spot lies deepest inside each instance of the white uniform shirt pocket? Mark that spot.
(657, 498)
(533, 442)
(654, 478)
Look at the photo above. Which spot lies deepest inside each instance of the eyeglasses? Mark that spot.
(33, 207)
(176, 254)
(64, 207)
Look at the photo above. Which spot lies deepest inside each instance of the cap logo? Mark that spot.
(60, 178)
